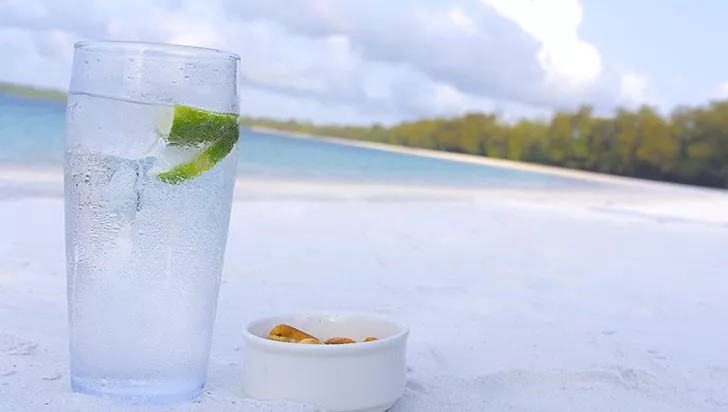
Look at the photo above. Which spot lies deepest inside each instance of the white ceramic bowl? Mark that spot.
(355, 377)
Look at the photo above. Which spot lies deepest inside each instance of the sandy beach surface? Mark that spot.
(518, 300)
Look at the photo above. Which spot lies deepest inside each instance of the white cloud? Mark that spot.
(634, 89)
(458, 17)
(32, 57)
(479, 53)
(722, 91)
(342, 58)
(518, 50)
(567, 60)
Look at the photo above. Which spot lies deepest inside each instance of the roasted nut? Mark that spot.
(339, 341)
(287, 333)
(282, 339)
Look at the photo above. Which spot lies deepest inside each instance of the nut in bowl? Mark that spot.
(342, 362)
(288, 333)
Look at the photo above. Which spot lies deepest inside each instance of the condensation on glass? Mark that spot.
(144, 257)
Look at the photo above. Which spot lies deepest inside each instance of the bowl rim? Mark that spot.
(350, 348)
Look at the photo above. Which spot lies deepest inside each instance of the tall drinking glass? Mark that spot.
(152, 134)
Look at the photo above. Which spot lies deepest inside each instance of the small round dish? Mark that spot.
(353, 377)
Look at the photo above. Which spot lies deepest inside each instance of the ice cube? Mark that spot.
(112, 127)
(168, 157)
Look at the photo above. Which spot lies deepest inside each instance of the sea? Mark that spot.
(32, 133)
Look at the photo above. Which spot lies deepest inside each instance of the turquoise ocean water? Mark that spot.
(32, 133)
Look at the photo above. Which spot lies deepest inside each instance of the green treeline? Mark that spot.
(32, 92)
(688, 146)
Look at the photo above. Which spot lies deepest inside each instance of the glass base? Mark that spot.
(138, 392)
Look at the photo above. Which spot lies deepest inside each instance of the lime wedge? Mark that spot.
(201, 163)
(192, 126)
(199, 138)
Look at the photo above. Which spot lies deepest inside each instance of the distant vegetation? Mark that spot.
(31, 91)
(688, 146)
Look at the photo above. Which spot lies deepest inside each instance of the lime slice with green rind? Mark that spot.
(195, 129)
(193, 126)
(202, 163)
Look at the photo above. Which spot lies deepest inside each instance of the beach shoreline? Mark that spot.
(704, 208)
(487, 161)
(613, 194)
(51, 172)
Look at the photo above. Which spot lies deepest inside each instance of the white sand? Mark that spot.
(609, 300)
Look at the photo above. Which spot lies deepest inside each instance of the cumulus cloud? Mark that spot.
(722, 91)
(567, 60)
(522, 51)
(484, 54)
(342, 60)
(634, 89)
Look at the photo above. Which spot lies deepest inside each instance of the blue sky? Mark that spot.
(677, 45)
(359, 61)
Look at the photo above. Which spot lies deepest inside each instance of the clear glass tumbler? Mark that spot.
(151, 154)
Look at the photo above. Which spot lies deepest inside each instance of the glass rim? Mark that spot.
(122, 46)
